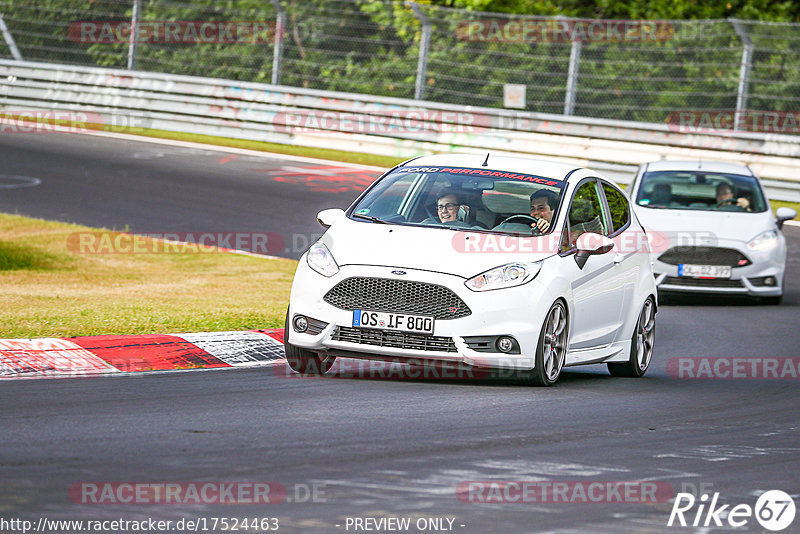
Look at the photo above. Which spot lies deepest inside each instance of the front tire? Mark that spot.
(551, 351)
(644, 335)
(304, 361)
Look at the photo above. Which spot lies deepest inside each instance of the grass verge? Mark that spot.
(50, 291)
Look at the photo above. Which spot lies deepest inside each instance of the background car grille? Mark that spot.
(397, 296)
(398, 340)
(704, 256)
(701, 282)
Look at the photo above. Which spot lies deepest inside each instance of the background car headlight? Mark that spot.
(321, 260)
(511, 275)
(764, 241)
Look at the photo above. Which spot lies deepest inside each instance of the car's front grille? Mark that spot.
(701, 282)
(704, 256)
(397, 296)
(397, 340)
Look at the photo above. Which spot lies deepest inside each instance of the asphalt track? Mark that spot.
(376, 447)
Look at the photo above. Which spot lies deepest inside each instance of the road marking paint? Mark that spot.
(238, 348)
(149, 352)
(25, 358)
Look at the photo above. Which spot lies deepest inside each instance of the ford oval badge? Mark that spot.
(399, 273)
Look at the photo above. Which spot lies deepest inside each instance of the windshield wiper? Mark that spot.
(369, 218)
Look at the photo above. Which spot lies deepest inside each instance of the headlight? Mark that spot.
(321, 260)
(511, 275)
(764, 241)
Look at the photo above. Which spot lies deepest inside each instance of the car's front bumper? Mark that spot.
(747, 280)
(511, 311)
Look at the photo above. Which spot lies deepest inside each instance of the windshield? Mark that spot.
(463, 198)
(700, 190)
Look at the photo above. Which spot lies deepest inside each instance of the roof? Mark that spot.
(546, 169)
(700, 165)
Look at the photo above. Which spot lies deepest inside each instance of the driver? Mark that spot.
(447, 206)
(725, 194)
(543, 205)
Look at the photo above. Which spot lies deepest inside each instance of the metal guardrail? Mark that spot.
(125, 100)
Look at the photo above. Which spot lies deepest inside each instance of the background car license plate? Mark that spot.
(704, 271)
(393, 321)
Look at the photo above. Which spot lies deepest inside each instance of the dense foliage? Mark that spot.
(373, 47)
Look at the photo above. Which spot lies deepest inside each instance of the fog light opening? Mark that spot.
(505, 344)
(770, 281)
(300, 323)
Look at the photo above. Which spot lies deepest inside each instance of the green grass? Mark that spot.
(49, 289)
(309, 152)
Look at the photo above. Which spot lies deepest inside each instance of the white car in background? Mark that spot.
(711, 229)
(392, 280)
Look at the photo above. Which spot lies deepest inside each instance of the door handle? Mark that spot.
(618, 257)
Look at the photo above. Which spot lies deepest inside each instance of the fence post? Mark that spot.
(277, 50)
(572, 76)
(424, 45)
(133, 43)
(12, 45)
(744, 71)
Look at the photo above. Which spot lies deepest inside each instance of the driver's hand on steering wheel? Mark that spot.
(743, 203)
(541, 224)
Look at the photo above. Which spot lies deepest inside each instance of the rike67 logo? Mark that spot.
(774, 510)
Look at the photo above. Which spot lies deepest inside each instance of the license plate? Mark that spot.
(704, 271)
(393, 321)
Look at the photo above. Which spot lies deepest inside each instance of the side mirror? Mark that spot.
(327, 217)
(784, 214)
(589, 244)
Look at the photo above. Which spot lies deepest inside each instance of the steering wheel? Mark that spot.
(726, 201)
(527, 218)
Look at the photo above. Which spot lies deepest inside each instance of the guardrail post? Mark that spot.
(12, 45)
(424, 45)
(572, 76)
(744, 71)
(134, 38)
(277, 51)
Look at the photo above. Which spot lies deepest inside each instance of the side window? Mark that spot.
(585, 215)
(618, 205)
(391, 200)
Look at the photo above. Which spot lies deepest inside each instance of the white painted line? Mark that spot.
(792, 223)
(232, 150)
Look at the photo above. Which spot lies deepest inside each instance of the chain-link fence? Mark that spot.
(631, 70)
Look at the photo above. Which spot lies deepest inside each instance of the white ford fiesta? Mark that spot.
(711, 228)
(485, 262)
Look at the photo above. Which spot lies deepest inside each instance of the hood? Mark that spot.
(695, 227)
(461, 253)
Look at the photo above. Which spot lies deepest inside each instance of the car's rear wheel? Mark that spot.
(644, 335)
(304, 361)
(551, 351)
